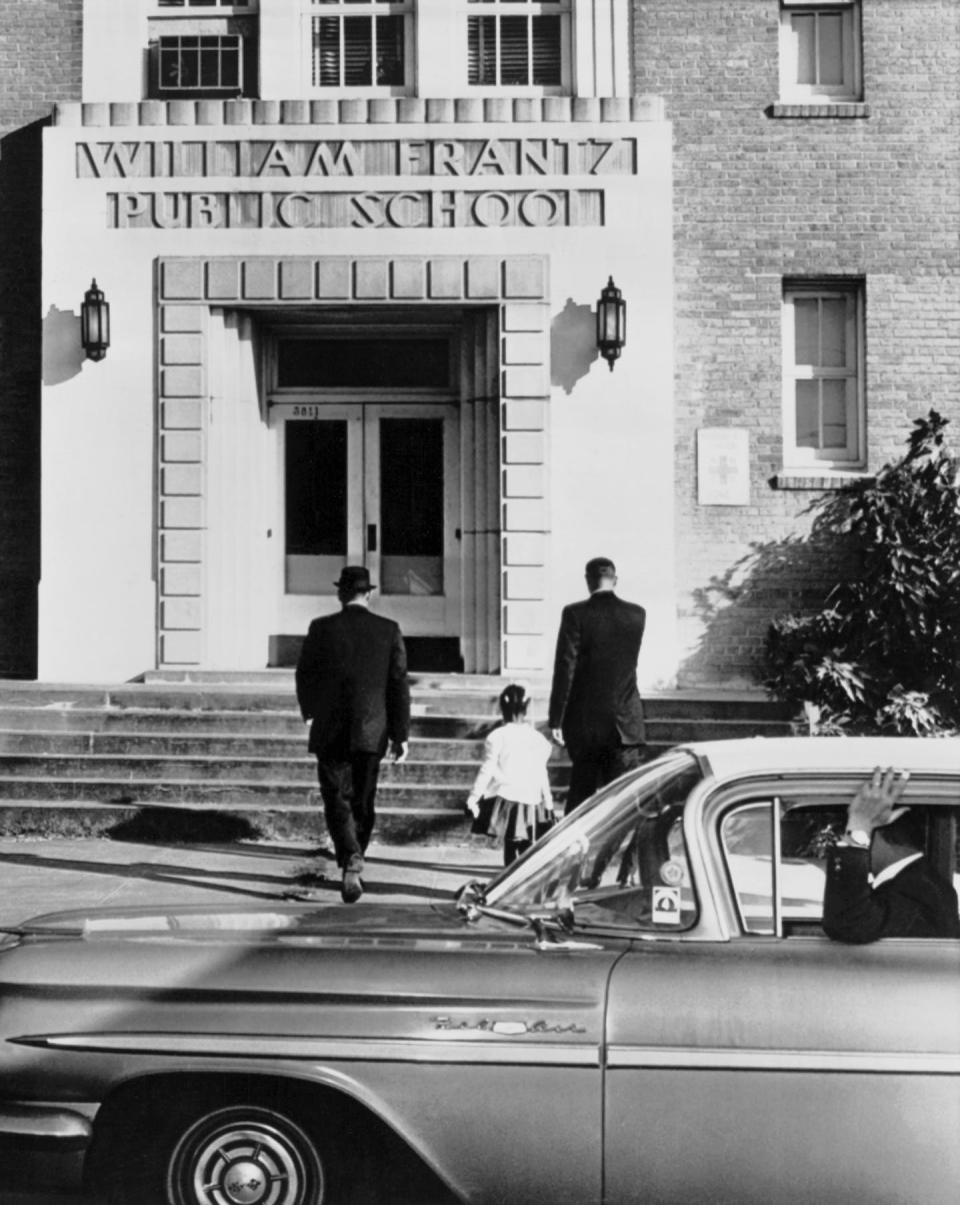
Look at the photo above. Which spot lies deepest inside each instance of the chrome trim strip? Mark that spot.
(720, 1059)
(252, 1046)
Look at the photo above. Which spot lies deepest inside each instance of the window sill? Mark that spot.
(804, 479)
(818, 109)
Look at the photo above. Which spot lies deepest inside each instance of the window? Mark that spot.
(360, 43)
(776, 849)
(823, 375)
(623, 862)
(820, 51)
(203, 48)
(518, 44)
(200, 63)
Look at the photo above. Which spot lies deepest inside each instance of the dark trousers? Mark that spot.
(348, 787)
(595, 768)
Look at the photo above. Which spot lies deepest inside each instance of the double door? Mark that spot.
(373, 484)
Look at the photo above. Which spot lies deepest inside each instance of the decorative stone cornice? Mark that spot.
(403, 110)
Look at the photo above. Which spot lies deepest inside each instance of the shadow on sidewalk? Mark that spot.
(187, 876)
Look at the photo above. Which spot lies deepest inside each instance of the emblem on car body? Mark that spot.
(506, 1028)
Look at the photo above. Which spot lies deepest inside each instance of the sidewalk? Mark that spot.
(49, 875)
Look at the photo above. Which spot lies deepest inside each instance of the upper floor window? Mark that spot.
(361, 44)
(820, 50)
(203, 48)
(519, 44)
(823, 374)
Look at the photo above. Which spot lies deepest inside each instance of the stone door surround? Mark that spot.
(187, 288)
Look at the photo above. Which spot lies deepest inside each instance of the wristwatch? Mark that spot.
(858, 837)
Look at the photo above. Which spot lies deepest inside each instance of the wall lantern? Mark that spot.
(611, 323)
(95, 323)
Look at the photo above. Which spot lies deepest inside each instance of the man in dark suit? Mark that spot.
(905, 896)
(352, 686)
(595, 707)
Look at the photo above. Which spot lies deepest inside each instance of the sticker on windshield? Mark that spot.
(672, 873)
(666, 906)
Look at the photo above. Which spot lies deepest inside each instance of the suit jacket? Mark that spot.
(352, 683)
(917, 902)
(594, 697)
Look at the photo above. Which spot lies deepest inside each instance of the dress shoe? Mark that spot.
(352, 888)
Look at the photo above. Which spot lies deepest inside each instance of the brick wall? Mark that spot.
(758, 198)
(39, 64)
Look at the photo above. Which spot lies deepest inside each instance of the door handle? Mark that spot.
(371, 537)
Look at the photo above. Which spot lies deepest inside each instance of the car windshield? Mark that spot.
(619, 860)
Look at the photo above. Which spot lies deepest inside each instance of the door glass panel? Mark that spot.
(411, 505)
(316, 504)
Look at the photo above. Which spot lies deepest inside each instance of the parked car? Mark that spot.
(642, 1009)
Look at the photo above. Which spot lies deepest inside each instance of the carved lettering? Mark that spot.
(603, 149)
(448, 159)
(276, 160)
(437, 209)
(303, 158)
(110, 158)
(325, 161)
(367, 210)
(493, 157)
(284, 212)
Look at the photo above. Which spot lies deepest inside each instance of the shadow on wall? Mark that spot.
(573, 344)
(62, 354)
(736, 608)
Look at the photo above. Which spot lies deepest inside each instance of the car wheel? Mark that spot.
(244, 1155)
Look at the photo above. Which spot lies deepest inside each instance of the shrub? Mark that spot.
(882, 654)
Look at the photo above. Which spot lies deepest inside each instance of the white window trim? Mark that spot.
(180, 13)
(852, 87)
(815, 460)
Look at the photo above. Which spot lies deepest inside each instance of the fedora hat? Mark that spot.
(354, 577)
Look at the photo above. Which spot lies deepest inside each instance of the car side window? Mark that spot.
(775, 851)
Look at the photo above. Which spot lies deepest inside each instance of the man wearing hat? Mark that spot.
(879, 882)
(595, 707)
(352, 687)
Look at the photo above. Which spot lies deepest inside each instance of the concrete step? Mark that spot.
(214, 723)
(238, 795)
(219, 772)
(452, 695)
(82, 758)
(40, 743)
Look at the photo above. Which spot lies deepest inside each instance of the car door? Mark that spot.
(778, 1065)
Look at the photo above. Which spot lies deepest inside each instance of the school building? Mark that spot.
(467, 291)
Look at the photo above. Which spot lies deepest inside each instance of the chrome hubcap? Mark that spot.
(241, 1161)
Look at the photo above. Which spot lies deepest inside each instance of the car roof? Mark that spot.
(846, 754)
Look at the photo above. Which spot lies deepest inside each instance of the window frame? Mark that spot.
(851, 87)
(191, 9)
(563, 9)
(407, 9)
(853, 456)
(200, 88)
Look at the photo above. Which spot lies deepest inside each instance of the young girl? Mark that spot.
(514, 773)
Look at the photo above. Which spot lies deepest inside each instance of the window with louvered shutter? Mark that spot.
(518, 44)
(359, 43)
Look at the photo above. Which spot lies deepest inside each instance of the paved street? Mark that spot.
(49, 875)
